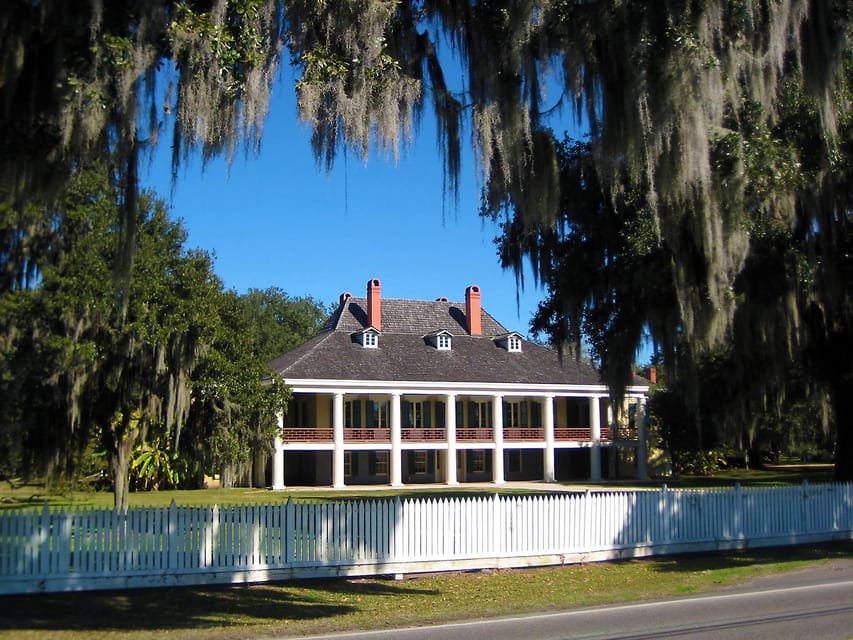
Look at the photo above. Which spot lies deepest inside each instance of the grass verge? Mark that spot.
(291, 609)
(14, 495)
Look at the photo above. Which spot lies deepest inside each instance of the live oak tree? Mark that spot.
(78, 360)
(685, 102)
(235, 396)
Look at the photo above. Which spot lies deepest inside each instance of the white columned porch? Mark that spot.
(548, 423)
(450, 422)
(278, 457)
(595, 429)
(642, 417)
(338, 435)
(498, 428)
(396, 461)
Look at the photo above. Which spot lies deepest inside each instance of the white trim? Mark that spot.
(406, 387)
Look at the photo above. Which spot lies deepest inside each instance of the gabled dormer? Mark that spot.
(442, 339)
(510, 341)
(367, 338)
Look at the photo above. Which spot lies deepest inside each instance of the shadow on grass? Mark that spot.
(188, 608)
(685, 563)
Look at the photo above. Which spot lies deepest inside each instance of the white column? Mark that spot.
(642, 417)
(338, 431)
(595, 427)
(548, 423)
(278, 457)
(498, 424)
(396, 461)
(450, 421)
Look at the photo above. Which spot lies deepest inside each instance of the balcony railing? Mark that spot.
(439, 434)
(469, 434)
(361, 434)
(626, 433)
(307, 434)
(579, 433)
(423, 434)
(524, 433)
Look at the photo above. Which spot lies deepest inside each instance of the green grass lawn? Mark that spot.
(18, 494)
(291, 609)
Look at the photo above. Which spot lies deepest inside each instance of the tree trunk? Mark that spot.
(120, 465)
(226, 477)
(842, 406)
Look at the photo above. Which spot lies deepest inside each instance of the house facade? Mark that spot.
(403, 392)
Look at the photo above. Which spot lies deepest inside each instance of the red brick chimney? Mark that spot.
(472, 310)
(374, 304)
(653, 375)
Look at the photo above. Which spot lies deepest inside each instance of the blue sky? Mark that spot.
(276, 219)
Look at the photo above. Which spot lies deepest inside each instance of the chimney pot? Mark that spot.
(473, 316)
(374, 304)
(346, 295)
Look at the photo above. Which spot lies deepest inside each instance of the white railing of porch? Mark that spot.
(62, 549)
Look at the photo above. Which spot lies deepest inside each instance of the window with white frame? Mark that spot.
(420, 461)
(478, 461)
(513, 343)
(369, 340)
(418, 414)
(381, 463)
(377, 414)
(513, 414)
(480, 416)
(443, 342)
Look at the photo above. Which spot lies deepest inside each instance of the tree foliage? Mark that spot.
(173, 382)
(719, 129)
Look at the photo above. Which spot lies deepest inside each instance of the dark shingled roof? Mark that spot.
(405, 354)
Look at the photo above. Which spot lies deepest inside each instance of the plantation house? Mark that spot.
(410, 391)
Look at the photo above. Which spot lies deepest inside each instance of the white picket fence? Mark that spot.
(63, 550)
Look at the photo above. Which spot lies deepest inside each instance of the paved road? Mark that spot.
(816, 604)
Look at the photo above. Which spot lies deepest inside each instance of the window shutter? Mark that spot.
(535, 414)
(356, 414)
(430, 461)
(370, 414)
(472, 414)
(460, 415)
(427, 405)
(489, 455)
(371, 463)
(524, 414)
(440, 415)
(405, 414)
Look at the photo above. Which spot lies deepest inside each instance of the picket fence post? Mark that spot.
(172, 537)
(740, 529)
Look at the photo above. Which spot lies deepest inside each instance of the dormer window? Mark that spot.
(510, 341)
(442, 340)
(368, 338)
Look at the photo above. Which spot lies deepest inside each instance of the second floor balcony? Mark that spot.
(463, 434)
